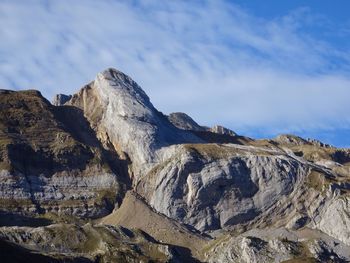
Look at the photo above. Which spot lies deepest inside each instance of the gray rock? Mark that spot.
(334, 218)
(61, 99)
(235, 190)
(222, 130)
(66, 193)
(212, 186)
(277, 245)
(127, 120)
(183, 121)
(291, 140)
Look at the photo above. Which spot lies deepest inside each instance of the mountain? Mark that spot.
(125, 120)
(51, 160)
(103, 176)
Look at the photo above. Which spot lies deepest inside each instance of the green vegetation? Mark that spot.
(221, 151)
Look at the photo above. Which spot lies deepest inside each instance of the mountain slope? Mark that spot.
(120, 112)
(135, 213)
(50, 163)
(105, 156)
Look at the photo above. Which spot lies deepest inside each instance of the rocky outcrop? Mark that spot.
(91, 243)
(61, 99)
(214, 186)
(278, 245)
(222, 130)
(183, 121)
(193, 191)
(66, 193)
(123, 116)
(334, 219)
(50, 163)
(288, 139)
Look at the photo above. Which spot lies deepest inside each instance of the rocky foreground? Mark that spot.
(103, 176)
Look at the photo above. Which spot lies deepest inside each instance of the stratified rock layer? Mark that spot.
(123, 116)
(50, 163)
(195, 191)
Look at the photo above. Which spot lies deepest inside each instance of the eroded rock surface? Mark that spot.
(61, 99)
(51, 163)
(183, 121)
(196, 193)
(123, 116)
(214, 186)
(94, 243)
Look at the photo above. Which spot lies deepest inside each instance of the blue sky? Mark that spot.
(258, 67)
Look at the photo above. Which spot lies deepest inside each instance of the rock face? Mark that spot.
(334, 219)
(61, 99)
(121, 113)
(278, 245)
(222, 130)
(118, 244)
(290, 140)
(195, 193)
(50, 164)
(183, 121)
(212, 187)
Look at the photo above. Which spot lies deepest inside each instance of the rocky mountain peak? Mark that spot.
(115, 75)
(124, 96)
(123, 116)
(194, 192)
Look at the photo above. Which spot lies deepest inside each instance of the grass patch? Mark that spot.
(109, 195)
(15, 204)
(317, 181)
(302, 254)
(5, 166)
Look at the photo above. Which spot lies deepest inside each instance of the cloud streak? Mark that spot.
(212, 59)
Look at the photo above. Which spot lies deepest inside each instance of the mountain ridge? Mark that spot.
(106, 156)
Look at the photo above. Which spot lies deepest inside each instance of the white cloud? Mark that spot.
(210, 59)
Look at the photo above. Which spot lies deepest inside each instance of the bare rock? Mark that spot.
(61, 99)
(335, 218)
(49, 163)
(183, 121)
(123, 116)
(222, 130)
(212, 186)
(278, 245)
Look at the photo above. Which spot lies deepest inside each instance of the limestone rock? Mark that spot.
(212, 186)
(107, 148)
(335, 219)
(61, 99)
(183, 121)
(290, 139)
(278, 245)
(123, 116)
(222, 130)
(51, 161)
(101, 243)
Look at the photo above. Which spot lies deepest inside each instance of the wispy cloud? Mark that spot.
(211, 59)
